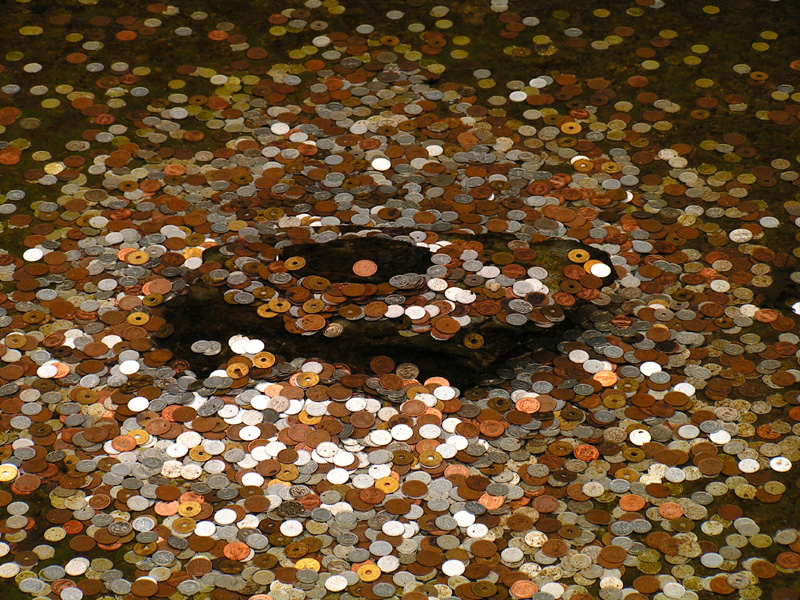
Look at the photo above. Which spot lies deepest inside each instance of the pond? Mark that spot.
(453, 299)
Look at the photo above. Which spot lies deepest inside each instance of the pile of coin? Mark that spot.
(465, 283)
(647, 454)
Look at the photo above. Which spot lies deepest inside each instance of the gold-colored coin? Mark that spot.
(308, 563)
(430, 459)
(314, 306)
(137, 257)
(15, 340)
(263, 360)
(8, 473)
(189, 509)
(473, 340)
(152, 299)
(140, 435)
(288, 473)
(279, 305)
(266, 312)
(578, 255)
(138, 318)
(307, 419)
(199, 454)
(307, 379)
(387, 485)
(294, 263)
(237, 370)
(368, 572)
(184, 524)
(571, 128)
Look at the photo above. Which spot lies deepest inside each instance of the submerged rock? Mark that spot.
(454, 305)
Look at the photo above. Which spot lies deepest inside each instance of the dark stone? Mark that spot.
(201, 313)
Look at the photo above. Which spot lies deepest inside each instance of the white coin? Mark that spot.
(291, 528)
(748, 465)
(720, 285)
(205, 529)
(402, 432)
(600, 270)
(380, 471)
(138, 404)
(464, 518)
(781, 464)
(477, 531)
(446, 450)
(381, 164)
(720, 437)
(388, 564)
(430, 431)
(434, 150)
(444, 392)
(675, 475)
(512, 555)
(237, 343)
(177, 450)
(343, 458)
(688, 432)
(252, 478)
(740, 236)
(380, 437)
(9, 570)
(556, 590)
(593, 489)
(580, 561)
(356, 404)
(225, 516)
(47, 371)
(77, 566)
(674, 590)
(335, 583)
(437, 284)
(769, 222)
(274, 448)
(458, 441)
(327, 449)
(453, 567)
(253, 346)
(579, 356)
(393, 528)
(465, 297)
(362, 481)
(594, 366)
(649, 367)
(416, 312)
(192, 471)
(338, 476)
(392, 312)
(33, 254)
(249, 433)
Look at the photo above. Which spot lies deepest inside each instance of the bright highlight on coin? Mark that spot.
(381, 164)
